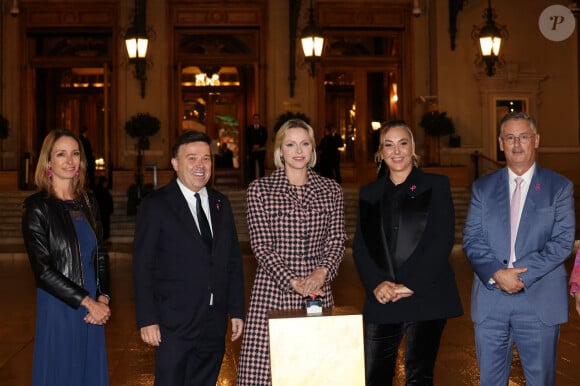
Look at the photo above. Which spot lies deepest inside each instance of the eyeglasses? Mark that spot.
(510, 139)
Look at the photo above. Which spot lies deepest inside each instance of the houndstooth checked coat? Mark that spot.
(293, 230)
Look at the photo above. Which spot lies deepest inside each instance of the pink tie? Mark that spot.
(514, 217)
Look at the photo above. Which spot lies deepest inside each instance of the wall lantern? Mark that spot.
(137, 42)
(490, 36)
(312, 42)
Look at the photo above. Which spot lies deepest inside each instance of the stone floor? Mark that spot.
(131, 362)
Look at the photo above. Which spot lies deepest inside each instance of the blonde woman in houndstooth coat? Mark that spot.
(296, 225)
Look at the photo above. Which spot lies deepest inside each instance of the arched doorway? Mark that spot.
(364, 79)
(217, 77)
(70, 87)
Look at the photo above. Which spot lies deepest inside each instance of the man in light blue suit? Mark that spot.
(519, 291)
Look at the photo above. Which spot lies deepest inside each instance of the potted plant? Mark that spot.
(4, 130)
(436, 124)
(140, 126)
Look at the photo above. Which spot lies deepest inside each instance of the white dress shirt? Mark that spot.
(191, 202)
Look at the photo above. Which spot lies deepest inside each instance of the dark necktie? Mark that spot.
(204, 228)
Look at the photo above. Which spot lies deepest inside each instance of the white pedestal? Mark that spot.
(317, 350)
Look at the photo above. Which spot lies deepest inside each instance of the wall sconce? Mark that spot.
(489, 36)
(312, 42)
(137, 42)
(14, 10)
(416, 11)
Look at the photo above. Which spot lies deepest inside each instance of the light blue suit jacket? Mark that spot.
(544, 241)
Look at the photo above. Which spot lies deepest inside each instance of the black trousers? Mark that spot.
(183, 362)
(382, 346)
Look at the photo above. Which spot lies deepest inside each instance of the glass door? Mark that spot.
(79, 104)
(357, 101)
(217, 115)
(213, 103)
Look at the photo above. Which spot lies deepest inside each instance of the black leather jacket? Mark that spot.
(52, 246)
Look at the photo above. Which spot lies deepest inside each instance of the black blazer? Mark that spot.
(173, 272)
(425, 238)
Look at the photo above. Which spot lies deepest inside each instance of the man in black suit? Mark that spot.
(329, 153)
(187, 270)
(88, 149)
(256, 136)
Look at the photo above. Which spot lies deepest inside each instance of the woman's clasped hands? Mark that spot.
(388, 291)
(311, 284)
(98, 311)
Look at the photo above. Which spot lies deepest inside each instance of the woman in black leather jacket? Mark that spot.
(63, 238)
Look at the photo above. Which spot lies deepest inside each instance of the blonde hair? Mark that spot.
(41, 179)
(281, 134)
(385, 128)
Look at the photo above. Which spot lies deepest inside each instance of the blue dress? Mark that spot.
(68, 351)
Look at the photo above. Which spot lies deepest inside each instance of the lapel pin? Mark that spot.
(412, 189)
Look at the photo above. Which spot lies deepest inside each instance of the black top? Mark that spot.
(392, 202)
(405, 234)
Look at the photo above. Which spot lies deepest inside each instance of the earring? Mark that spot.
(49, 173)
(78, 173)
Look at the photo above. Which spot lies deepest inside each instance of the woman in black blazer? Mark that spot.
(404, 236)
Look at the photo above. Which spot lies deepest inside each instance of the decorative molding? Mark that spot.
(377, 14)
(512, 80)
(509, 84)
(216, 15)
(59, 15)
